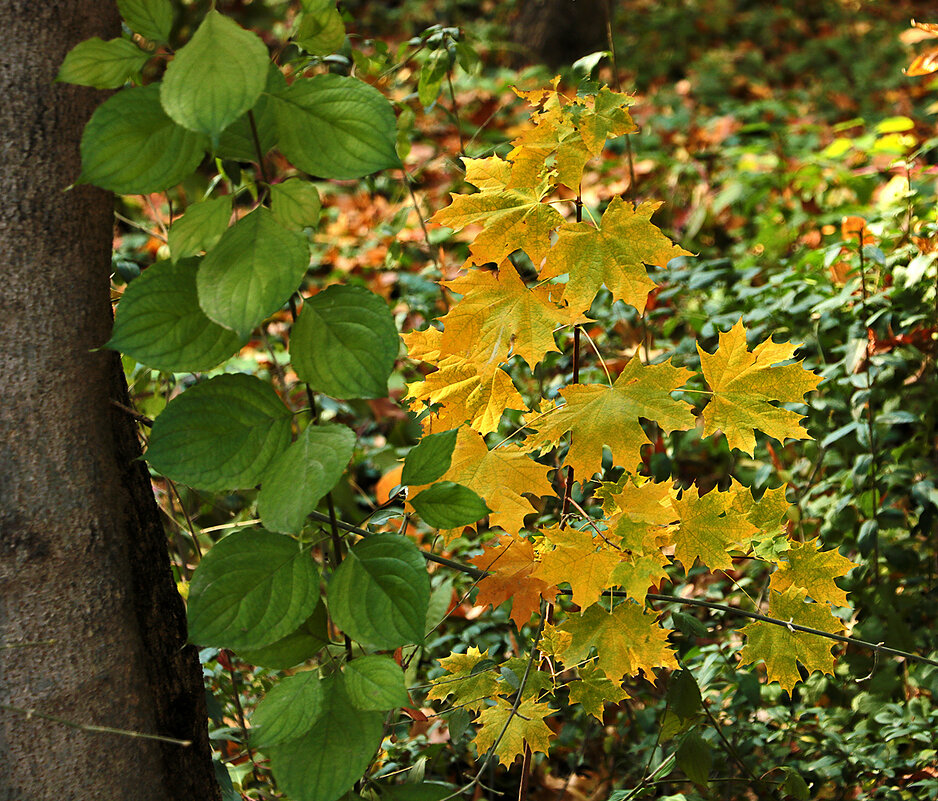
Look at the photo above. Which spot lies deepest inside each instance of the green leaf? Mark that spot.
(130, 146)
(449, 505)
(295, 203)
(251, 589)
(152, 19)
(294, 649)
(159, 322)
(103, 65)
(380, 593)
(429, 459)
(299, 477)
(200, 227)
(289, 710)
(431, 77)
(684, 695)
(345, 342)
(251, 272)
(328, 760)
(694, 758)
(794, 785)
(237, 140)
(321, 31)
(217, 76)
(333, 126)
(375, 683)
(425, 791)
(221, 434)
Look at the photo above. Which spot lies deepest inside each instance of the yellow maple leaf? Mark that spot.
(525, 727)
(552, 134)
(467, 392)
(813, 570)
(744, 385)
(498, 317)
(627, 640)
(637, 573)
(639, 513)
(501, 477)
(579, 558)
(768, 514)
(605, 118)
(780, 647)
(514, 218)
(593, 691)
(709, 526)
(511, 560)
(423, 346)
(598, 415)
(470, 690)
(614, 255)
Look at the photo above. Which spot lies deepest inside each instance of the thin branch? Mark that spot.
(35, 713)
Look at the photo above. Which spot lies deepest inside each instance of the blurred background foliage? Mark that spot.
(798, 162)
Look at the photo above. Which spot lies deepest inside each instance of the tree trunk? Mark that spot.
(92, 629)
(558, 32)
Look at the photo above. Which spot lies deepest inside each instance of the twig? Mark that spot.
(35, 713)
(140, 418)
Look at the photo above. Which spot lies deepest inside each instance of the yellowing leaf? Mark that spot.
(500, 476)
(607, 119)
(613, 255)
(593, 690)
(580, 559)
(627, 640)
(642, 512)
(469, 690)
(780, 647)
(552, 134)
(768, 514)
(813, 570)
(499, 317)
(744, 385)
(466, 392)
(709, 527)
(527, 727)
(510, 560)
(637, 573)
(423, 345)
(513, 218)
(598, 415)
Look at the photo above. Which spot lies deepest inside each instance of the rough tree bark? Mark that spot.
(91, 627)
(558, 32)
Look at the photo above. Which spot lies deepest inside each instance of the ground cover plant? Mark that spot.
(585, 415)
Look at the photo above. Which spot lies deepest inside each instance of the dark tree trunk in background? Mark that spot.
(558, 32)
(91, 626)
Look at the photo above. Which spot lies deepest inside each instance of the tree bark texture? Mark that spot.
(92, 629)
(558, 32)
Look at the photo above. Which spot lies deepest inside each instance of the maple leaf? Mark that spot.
(539, 681)
(768, 515)
(423, 346)
(606, 119)
(469, 690)
(467, 392)
(709, 527)
(593, 690)
(627, 640)
(780, 647)
(525, 727)
(510, 560)
(514, 218)
(745, 383)
(500, 477)
(598, 415)
(499, 316)
(553, 134)
(614, 254)
(637, 573)
(638, 514)
(578, 558)
(554, 640)
(813, 570)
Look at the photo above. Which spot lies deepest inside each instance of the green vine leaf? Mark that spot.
(215, 77)
(375, 683)
(131, 147)
(321, 30)
(221, 434)
(200, 227)
(344, 343)
(380, 593)
(152, 19)
(251, 589)
(102, 65)
(237, 140)
(251, 272)
(449, 505)
(160, 324)
(295, 203)
(304, 643)
(328, 760)
(299, 477)
(429, 459)
(289, 710)
(333, 126)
